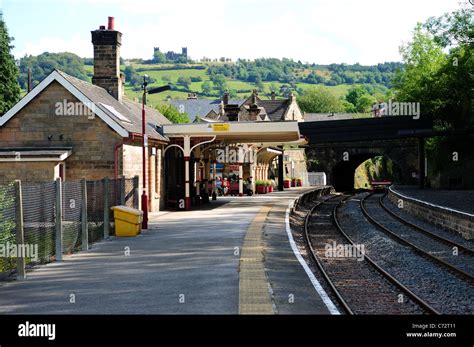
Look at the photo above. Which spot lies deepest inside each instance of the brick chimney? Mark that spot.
(225, 99)
(292, 97)
(253, 108)
(107, 44)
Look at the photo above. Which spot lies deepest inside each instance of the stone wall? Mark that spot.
(404, 153)
(37, 125)
(27, 171)
(91, 139)
(293, 112)
(297, 156)
(132, 166)
(458, 222)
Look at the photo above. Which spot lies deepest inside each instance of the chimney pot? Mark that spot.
(102, 27)
(111, 23)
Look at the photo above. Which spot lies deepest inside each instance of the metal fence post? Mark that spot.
(20, 235)
(106, 208)
(136, 192)
(122, 190)
(84, 225)
(59, 217)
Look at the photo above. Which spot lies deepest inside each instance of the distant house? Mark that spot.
(251, 109)
(198, 108)
(69, 128)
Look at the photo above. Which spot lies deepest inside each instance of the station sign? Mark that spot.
(221, 127)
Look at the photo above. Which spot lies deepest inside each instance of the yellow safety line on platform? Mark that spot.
(254, 294)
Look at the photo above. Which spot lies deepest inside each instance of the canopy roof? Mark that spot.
(238, 132)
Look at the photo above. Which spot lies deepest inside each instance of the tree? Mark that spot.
(184, 81)
(285, 90)
(423, 58)
(172, 113)
(348, 106)
(452, 29)
(259, 84)
(219, 82)
(206, 88)
(364, 103)
(442, 83)
(10, 89)
(159, 58)
(129, 73)
(233, 94)
(43, 64)
(355, 93)
(273, 88)
(319, 100)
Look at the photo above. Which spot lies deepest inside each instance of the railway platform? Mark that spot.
(232, 258)
(452, 210)
(460, 200)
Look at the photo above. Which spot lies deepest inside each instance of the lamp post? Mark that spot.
(145, 145)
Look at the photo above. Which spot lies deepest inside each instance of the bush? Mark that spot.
(319, 100)
(172, 113)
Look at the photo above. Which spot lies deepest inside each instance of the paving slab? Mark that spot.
(293, 292)
(184, 264)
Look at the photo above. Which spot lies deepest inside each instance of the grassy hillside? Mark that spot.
(211, 79)
(243, 89)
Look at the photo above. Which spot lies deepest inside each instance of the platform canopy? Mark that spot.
(238, 132)
(35, 154)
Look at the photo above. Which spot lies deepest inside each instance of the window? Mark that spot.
(116, 113)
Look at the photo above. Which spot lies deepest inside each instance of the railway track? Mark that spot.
(447, 239)
(360, 285)
(441, 286)
(454, 257)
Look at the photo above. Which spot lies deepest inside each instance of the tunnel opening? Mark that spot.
(360, 169)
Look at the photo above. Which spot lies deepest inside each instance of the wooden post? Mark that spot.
(59, 217)
(122, 191)
(106, 208)
(84, 225)
(19, 232)
(136, 192)
(280, 171)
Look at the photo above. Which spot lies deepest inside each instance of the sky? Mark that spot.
(316, 31)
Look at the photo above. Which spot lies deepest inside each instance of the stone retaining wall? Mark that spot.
(459, 222)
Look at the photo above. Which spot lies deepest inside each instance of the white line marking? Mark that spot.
(317, 286)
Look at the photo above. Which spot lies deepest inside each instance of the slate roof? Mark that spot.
(131, 110)
(200, 107)
(274, 109)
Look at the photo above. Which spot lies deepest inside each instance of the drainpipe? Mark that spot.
(116, 148)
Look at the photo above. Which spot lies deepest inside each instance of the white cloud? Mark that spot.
(76, 44)
(323, 31)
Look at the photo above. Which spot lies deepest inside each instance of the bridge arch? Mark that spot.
(339, 160)
(343, 173)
